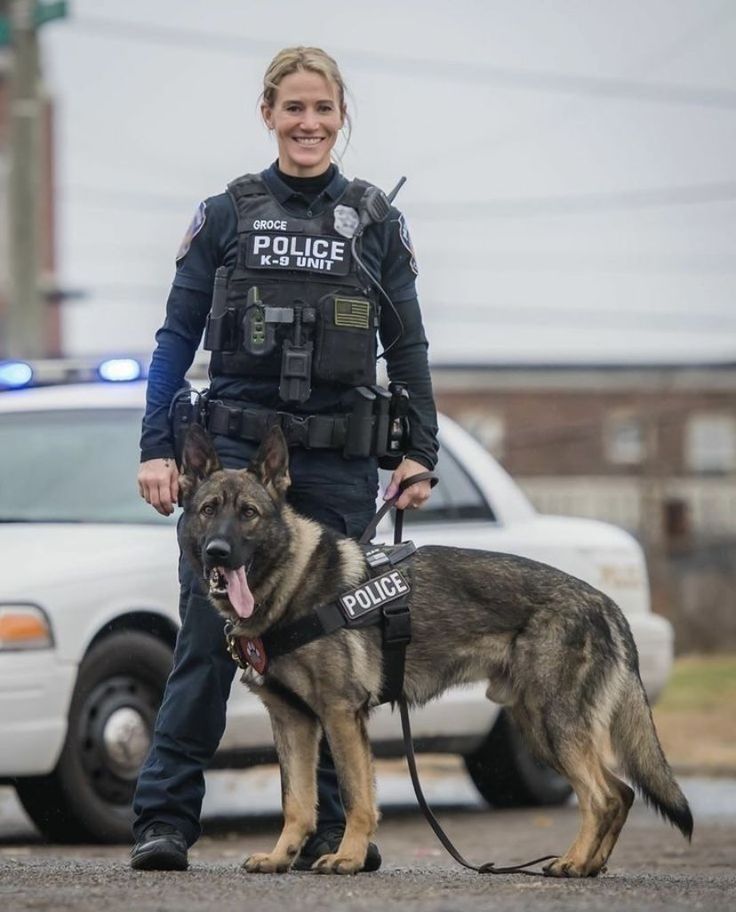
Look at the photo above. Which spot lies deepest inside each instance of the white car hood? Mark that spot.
(37, 557)
(585, 535)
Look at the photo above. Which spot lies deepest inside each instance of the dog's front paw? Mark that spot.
(266, 863)
(338, 864)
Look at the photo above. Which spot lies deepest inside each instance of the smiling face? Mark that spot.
(306, 117)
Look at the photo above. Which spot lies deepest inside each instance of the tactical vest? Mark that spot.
(296, 304)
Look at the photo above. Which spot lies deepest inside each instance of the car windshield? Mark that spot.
(72, 466)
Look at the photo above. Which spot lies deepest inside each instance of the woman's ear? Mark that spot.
(266, 115)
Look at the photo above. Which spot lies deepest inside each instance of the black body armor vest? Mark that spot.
(296, 306)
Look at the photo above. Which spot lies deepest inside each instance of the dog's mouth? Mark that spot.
(232, 585)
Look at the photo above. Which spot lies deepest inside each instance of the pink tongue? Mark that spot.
(241, 598)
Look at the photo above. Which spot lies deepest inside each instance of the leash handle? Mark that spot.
(389, 504)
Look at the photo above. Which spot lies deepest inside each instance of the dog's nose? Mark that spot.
(218, 549)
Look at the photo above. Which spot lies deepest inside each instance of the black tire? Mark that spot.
(88, 797)
(507, 775)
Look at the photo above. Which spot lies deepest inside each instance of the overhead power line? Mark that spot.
(576, 203)
(445, 70)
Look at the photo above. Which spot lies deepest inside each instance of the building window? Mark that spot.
(486, 427)
(624, 439)
(711, 443)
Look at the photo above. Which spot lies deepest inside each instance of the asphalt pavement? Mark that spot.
(652, 867)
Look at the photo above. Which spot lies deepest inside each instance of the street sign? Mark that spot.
(46, 12)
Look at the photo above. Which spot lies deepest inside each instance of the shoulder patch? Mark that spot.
(406, 241)
(193, 230)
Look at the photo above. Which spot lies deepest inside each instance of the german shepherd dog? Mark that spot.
(557, 653)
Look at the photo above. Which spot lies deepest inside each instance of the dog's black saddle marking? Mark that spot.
(382, 600)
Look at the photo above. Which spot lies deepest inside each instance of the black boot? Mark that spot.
(161, 847)
(327, 842)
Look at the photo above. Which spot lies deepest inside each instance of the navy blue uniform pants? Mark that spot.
(337, 492)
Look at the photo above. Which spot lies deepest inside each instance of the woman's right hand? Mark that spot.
(158, 483)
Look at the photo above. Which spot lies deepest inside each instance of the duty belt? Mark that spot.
(309, 431)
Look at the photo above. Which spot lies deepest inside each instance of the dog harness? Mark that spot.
(381, 600)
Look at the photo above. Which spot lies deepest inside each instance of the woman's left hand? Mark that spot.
(415, 495)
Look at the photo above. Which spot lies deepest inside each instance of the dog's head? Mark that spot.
(234, 530)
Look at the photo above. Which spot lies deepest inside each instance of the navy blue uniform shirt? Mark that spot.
(385, 250)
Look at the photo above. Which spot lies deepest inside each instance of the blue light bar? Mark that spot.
(120, 370)
(15, 374)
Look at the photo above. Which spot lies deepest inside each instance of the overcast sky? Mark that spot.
(571, 164)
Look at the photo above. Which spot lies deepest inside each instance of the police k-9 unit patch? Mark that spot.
(297, 251)
(376, 592)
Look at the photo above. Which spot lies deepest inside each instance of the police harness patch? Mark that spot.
(371, 595)
(305, 253)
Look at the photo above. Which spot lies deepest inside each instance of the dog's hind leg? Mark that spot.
(346, 731)
(609, 840)
(296, 738)
(601, 808)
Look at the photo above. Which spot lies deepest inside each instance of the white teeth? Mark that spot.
(308, 140)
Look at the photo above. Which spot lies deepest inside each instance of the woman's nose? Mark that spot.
(309, 120)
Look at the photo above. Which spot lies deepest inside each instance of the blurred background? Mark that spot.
(571, 195)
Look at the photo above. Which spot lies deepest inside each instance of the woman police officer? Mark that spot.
(304, 270)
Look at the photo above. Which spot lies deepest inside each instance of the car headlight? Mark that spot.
(24, 627)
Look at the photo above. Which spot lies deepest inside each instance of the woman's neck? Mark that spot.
(309, 186)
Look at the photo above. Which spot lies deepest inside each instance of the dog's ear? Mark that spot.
(199, 460)
(270, 465)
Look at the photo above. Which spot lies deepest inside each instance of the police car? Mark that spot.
(88, 610)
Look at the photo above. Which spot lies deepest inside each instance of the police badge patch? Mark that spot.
(346, 221)
(406, 241)
(192, 231)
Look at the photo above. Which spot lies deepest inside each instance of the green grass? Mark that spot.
(701, 683)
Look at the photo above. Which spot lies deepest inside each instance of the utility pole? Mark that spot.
(25, 322)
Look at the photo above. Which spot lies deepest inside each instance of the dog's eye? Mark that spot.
(249, 512)
(208, 510)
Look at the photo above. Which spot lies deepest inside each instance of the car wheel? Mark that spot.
(507, 775)
(88, 797)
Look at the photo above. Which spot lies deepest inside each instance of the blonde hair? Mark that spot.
(315, 60)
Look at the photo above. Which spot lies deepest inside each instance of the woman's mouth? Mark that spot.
(308, 140)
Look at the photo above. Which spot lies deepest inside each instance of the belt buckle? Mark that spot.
(397, 625)
(296, 429)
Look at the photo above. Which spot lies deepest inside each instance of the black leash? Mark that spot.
(489, 867)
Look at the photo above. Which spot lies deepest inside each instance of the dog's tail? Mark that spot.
(638, 749)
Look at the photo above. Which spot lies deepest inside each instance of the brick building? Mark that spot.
(608, 441)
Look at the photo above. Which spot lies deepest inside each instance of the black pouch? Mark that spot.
(346, 340)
